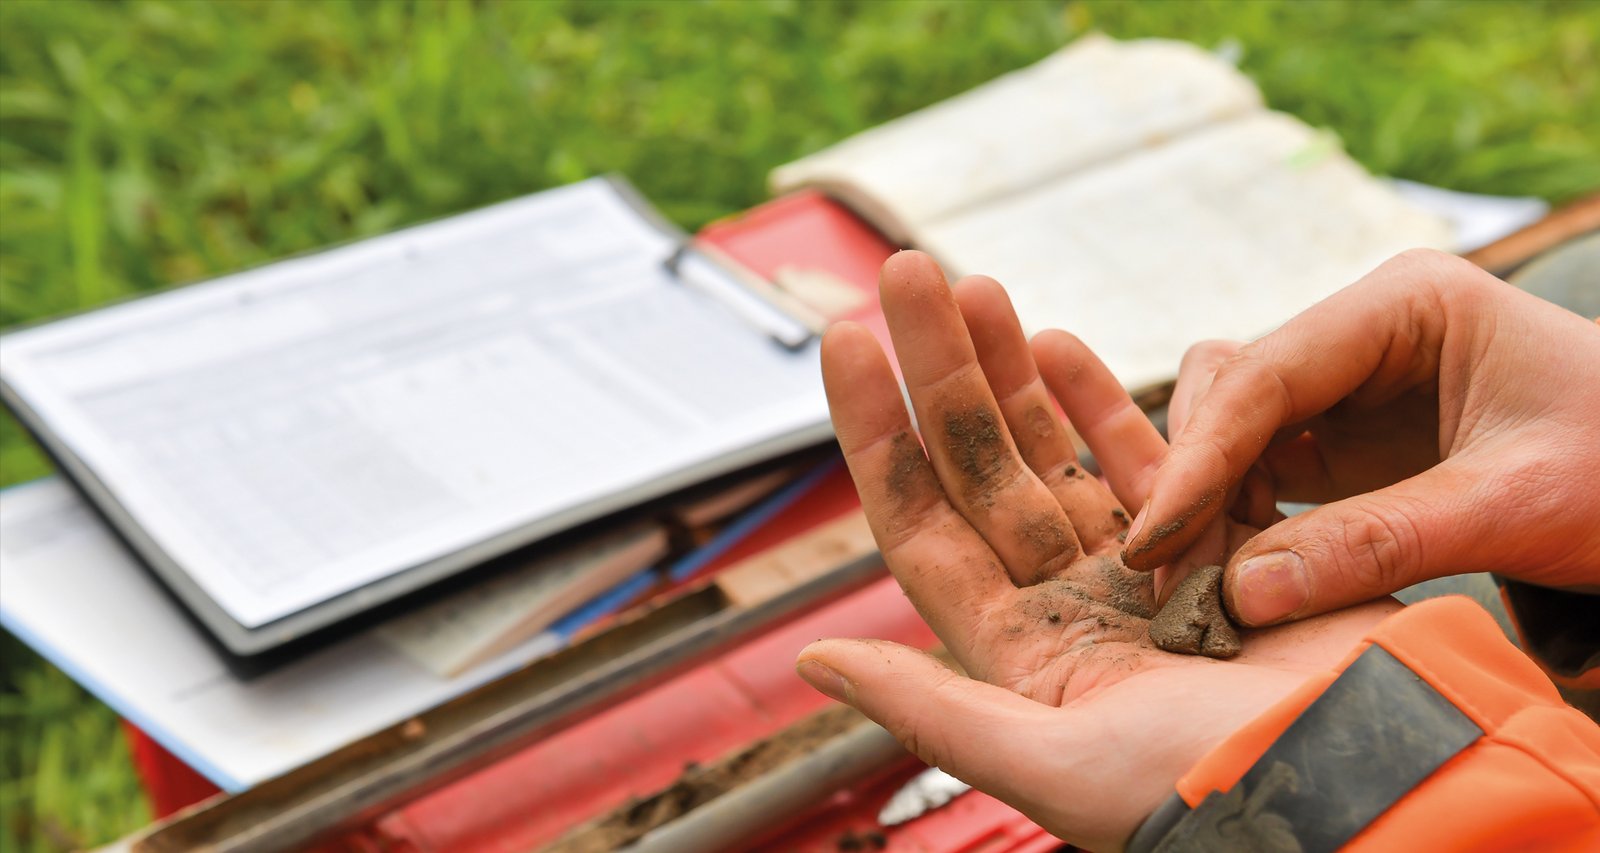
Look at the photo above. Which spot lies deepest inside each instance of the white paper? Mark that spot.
(294, 432)
(931, 789)
(1134, 193)
(1477, 220)
(74, 594)
(1226, 232)
(1093, 101)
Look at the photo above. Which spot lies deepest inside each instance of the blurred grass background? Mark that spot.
(144, 144)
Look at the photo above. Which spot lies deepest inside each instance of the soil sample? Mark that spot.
(1193, 621)
(701, 784)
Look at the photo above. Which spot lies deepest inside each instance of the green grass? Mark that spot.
(147, 144)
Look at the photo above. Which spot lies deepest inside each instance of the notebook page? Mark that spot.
(1095, 100)
(293, 432)
(1224, 233)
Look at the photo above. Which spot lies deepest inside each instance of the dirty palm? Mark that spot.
(1011, 553)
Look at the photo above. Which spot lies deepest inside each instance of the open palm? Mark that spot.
(1071, 713)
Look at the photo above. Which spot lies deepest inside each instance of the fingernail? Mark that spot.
(1138, 523)
(829, 683)
(1164, 591)
(1270, 587)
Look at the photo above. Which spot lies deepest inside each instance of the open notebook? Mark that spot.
(299, 443)
(1135, 193)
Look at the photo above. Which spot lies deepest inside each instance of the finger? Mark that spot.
(1199, 364)
(1380, 328)
(1030, 414)
(1297, 470)
(1208, 549)
(944, 566)
(1253, 507)
(1128, 447)
(982, 734)
(971, 450)
(1354, 550)
(1257, 504)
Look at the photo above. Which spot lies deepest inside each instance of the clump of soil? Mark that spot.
(701, 784)
(1193, 621)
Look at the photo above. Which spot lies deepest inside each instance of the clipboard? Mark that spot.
(291, 630)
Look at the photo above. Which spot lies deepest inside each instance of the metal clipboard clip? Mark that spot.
(747, 295)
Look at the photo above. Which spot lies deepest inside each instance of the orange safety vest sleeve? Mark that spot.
(1435, 733)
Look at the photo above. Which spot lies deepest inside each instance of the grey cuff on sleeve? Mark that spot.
(1367, 741)
(1558, 627)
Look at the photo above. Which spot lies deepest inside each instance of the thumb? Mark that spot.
(974, 731)
(1358, 549)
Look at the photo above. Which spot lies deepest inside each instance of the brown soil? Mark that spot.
(851, 842)
(911, 478)
(1162, 532)
(1193, 621)
(1129, 591)
(976, 445)
(1048, 539)
(701, 784)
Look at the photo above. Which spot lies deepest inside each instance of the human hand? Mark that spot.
(1452, 420)
(1009, 551)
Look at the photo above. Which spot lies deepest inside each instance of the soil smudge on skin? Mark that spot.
(1161, 532)
(1129, 591)
(1059, 604)
(1044, 533)
(977, 447)
(1193, 621)
(1048, 539)
(911, 478)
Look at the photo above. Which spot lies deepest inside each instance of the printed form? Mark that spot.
(292, 433)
